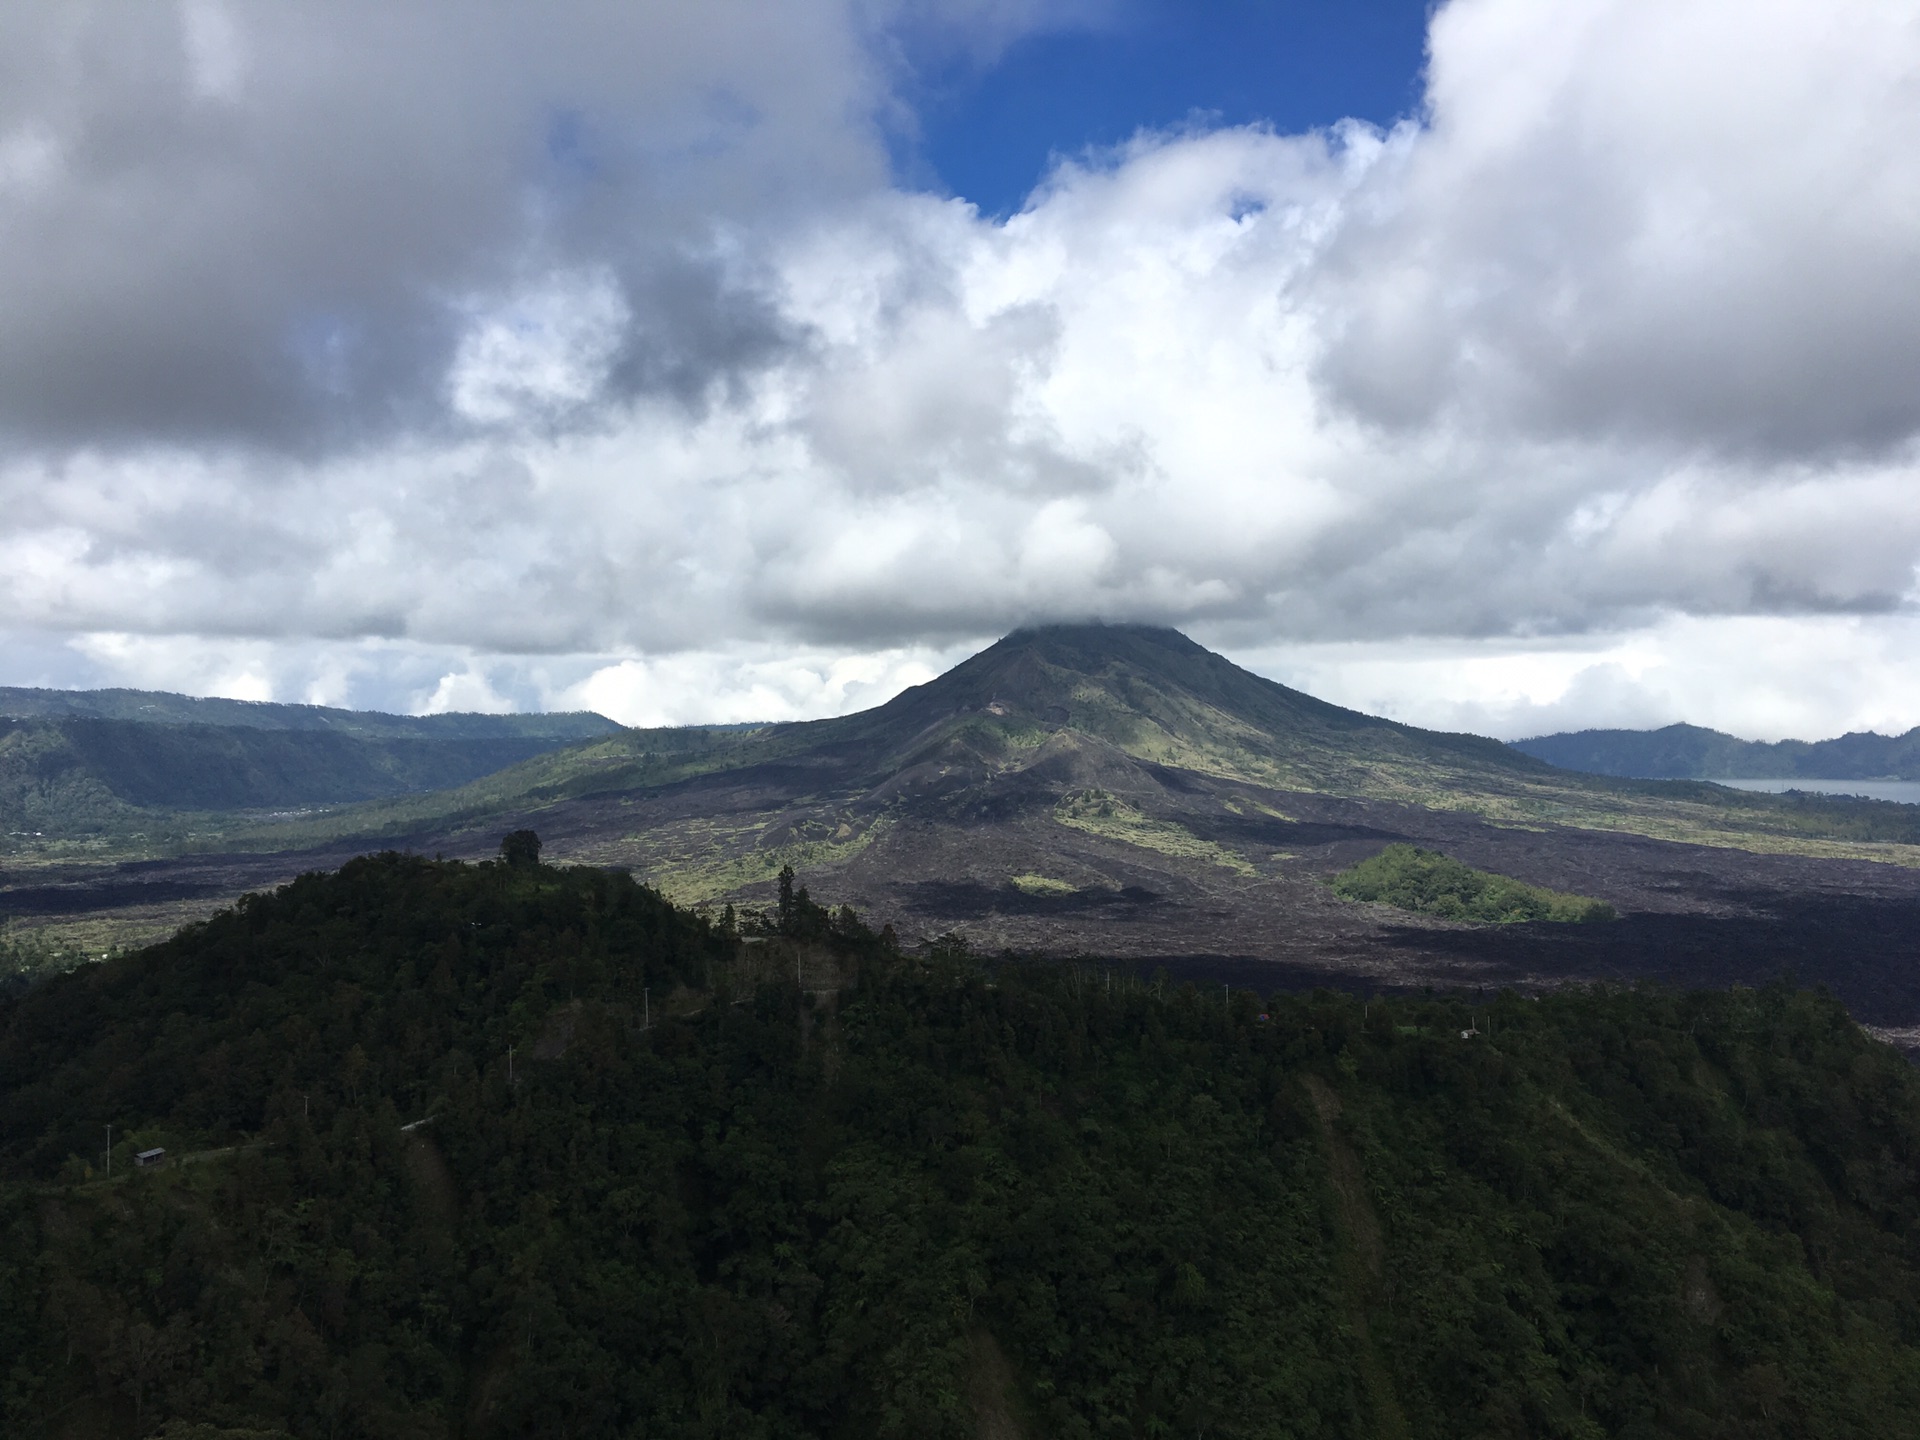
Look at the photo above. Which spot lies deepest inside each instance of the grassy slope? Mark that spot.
(627, 761)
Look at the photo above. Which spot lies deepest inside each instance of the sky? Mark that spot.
(1501, 366)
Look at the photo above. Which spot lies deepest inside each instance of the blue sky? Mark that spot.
(988, 135)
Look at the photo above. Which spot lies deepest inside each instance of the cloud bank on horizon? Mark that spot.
(591, 354)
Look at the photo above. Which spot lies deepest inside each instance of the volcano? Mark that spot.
(1154, 697)
(1120, 791)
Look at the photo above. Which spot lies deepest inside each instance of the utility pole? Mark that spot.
(646, 1009)
(509, 1064)
(109, 1152)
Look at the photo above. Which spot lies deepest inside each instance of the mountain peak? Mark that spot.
(1028, 668)
(1157, 695)
(1037, 671)
(1099, 637)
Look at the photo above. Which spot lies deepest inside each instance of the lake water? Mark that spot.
(1907, 792)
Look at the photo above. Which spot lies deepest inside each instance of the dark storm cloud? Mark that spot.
(269, 223)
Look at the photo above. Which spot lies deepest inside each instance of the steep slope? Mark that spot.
(1689, 752)
(1157, 696)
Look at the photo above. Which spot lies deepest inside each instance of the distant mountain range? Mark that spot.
(83, 761)
(1689, 752)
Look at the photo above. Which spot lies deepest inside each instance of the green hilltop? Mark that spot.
(146, 772)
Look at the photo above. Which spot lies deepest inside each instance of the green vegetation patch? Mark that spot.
(28, 955)
(718, 871)
(1042, 885)
(1429, 883)
(1099, 813)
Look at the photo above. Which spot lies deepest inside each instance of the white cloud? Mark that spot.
(29, 160)
(216, 54)
(466, 692)
(753, 683)
(1759, 677)
(1692, 220)
(1617, 343)
(736, 684)
(541, 352)
(233, 672)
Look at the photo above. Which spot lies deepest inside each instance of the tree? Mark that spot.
(521, 848)
(785, 909)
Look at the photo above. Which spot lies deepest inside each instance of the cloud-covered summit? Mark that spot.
(358, 340)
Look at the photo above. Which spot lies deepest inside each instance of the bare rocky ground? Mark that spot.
(1691, 915)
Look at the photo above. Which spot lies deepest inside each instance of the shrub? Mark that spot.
(1430, 883)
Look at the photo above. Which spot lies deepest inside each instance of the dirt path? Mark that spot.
(992, 1391)
(433, 1182)
(1362, 1259)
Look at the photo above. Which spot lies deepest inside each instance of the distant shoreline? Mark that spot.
(1902, 792)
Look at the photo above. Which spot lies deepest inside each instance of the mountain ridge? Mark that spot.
(78, 772)
(165, 707)
(96, 764)
(1693, 752)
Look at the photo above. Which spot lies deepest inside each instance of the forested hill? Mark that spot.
(92, 763)
(84, 778)
(507, 1150)
(1689, 752)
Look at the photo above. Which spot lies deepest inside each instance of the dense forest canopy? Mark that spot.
(506, 1149)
